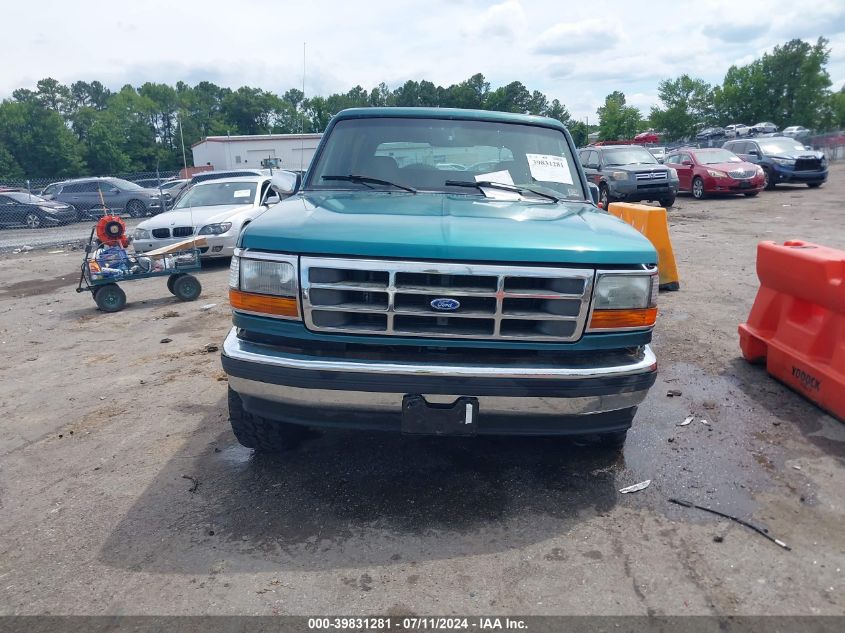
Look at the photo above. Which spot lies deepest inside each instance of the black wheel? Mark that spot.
(186, 287)
(814, 185)
(667, 202)
(613, 441)
(698, 188)
(110, 298)
(768, 180)
(259, 433)
(751, 194)
(170, 281)
(32, 220)
(604, 196)
(136, 209)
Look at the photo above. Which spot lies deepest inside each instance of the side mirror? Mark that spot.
(809, 147)
(594, 192)
(284, 183)
(754, 152)
(687, 163)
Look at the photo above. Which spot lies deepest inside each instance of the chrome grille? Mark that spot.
(742, 174)
(183, 231)
(161, 233)
(394, 298)
(652, 175)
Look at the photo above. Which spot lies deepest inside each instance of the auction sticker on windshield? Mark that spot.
(242, 193)
(548, 168)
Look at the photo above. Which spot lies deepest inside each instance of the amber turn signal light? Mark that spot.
(264, 304)
(618, 319)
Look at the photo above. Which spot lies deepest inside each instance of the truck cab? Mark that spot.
(444, 272)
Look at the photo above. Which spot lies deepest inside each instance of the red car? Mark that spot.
(703, 171)
(647, 137)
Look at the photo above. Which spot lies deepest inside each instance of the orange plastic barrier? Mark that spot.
(797, 323)
(652, 222)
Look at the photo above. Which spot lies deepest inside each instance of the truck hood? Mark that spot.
(198, 216)
(447, 227)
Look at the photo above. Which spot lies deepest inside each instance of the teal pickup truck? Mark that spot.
(440, 271)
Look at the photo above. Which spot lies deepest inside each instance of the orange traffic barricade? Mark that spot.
(653, 223)
(797, 323)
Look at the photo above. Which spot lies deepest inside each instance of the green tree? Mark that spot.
(686, 102)
(789, 86)
(616, 119)
(40, 143)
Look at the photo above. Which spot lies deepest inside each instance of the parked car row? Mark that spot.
(96, 197)
(746, 166)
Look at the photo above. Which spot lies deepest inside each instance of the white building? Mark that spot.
(284, 151)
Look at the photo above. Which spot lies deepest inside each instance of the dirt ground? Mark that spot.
(123, 491)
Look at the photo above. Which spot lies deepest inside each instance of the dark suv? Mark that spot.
(630, 173)
(93, 197)
(783, 159)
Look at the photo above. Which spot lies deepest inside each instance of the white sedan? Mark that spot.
(216, 210)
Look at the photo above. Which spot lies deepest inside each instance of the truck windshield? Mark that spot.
(428, 154)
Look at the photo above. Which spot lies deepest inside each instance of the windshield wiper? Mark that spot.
(367, 180)
(500, 185)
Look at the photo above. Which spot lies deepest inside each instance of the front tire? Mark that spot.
(604, 197)
(261, 434)
(769, 181)
(814, 185)
(666, 202)
(32, 220)
(698, 189)
(136, 209)
(751, 194)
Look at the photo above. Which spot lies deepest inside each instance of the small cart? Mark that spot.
(105, 266)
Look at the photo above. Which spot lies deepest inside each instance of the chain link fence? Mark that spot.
(39, 212)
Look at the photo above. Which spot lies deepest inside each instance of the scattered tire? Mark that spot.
(136, 209)
(110, 298)
(33, 220)
(186, 287)
(261, 434)
(698, 188)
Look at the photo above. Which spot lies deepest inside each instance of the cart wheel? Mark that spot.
(187, 287)
(170, 281)
(110, 298)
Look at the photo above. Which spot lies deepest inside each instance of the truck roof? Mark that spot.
(449, 113)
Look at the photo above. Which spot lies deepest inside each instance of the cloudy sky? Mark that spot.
(577, 52)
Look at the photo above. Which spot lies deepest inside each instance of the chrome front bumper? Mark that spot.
(323, 391)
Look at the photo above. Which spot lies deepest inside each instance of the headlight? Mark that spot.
(624, 300)
(49, 210)
(619, 175)
(760, 171)
(141, 234)
(215, 229)
(784, 161)
(716, 173)
(673, 174)
(268, 287)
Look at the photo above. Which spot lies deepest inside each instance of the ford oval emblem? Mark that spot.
(445, 304)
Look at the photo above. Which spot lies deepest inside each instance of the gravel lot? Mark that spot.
(123, 491)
